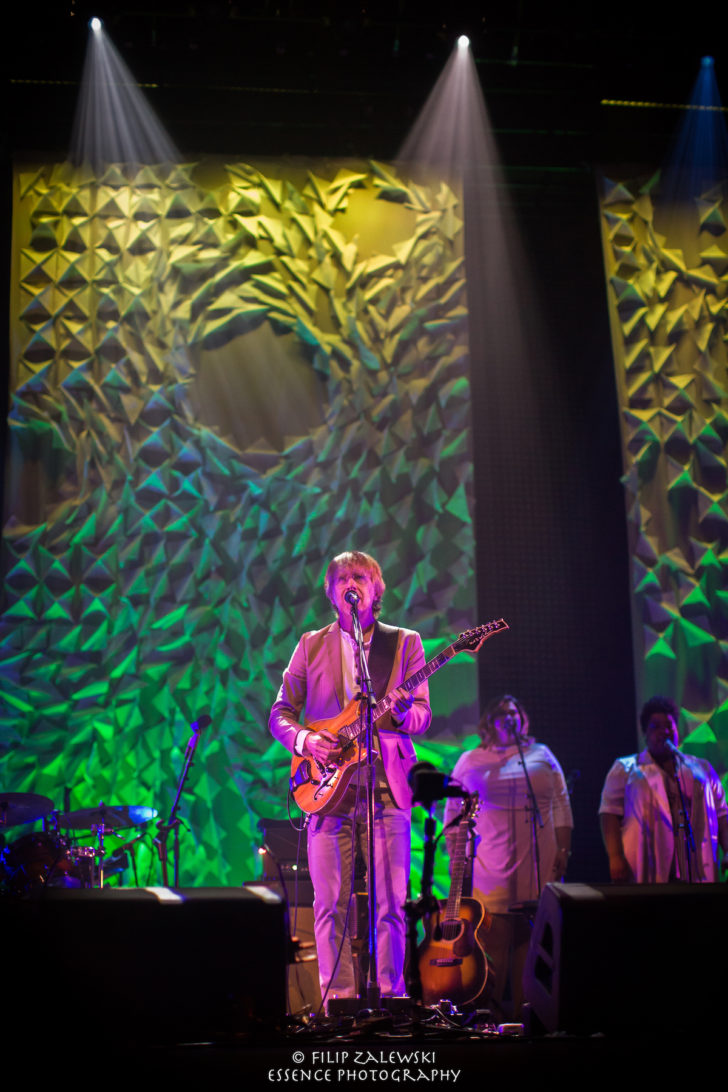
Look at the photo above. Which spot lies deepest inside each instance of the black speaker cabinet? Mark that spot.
(304, 991)
(625, 959)
(147, 965)
(284, 857)
(303, 977)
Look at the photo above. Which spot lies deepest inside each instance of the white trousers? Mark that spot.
(330, 860)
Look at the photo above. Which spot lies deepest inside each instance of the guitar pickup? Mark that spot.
(303, 776)
(446, 962)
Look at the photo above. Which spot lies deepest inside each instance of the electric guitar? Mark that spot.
(452, 961)
(318, 787)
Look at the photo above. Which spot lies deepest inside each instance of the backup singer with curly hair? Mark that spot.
(644, 801)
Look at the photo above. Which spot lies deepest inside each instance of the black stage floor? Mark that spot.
(574, 1061)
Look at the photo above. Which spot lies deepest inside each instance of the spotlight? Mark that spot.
(707, 62)
(95, 24)
(463, 41)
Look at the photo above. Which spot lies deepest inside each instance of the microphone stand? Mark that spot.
(428, 786)
(536, 820)
(684, 825)
(426, 905)
(172, 823)
(366, 708)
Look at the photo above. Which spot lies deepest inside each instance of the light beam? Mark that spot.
(699, 156)
(508, 341)
(114, 123)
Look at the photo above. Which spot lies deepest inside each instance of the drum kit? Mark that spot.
(53, 856)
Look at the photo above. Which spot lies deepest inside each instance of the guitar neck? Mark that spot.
(457, 874)
(470, 641)
(356, 728)
(416, 680)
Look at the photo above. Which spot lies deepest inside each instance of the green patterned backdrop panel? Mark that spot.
(223, 374)
(667, 274)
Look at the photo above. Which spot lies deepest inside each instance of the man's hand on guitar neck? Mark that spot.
(400, 705)
(321, 745)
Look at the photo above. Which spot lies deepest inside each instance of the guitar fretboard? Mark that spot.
(472, 639)
(451, 915)
(350, 732)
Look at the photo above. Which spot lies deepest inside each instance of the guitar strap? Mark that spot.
(381, 657)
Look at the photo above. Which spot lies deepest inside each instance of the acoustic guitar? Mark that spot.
(318, 787)
(452, 961)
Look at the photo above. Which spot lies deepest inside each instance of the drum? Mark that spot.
(83, 865)
(45, 859)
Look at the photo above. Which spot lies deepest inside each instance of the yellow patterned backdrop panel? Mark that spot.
(667, 275)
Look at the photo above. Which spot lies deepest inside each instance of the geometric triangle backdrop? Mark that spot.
(667, 276)
(222, 375)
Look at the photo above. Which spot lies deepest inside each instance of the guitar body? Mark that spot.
(452, 961)
(317, 788)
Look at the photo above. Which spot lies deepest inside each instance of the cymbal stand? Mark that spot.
(100, 829)
(127, 848)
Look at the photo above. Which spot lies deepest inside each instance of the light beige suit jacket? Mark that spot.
(313, 684)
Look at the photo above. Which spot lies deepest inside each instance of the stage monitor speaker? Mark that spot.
(148, 965)
(626, 959)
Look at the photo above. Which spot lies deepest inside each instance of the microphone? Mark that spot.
(428, 784)
(677, 755)
(351, 598)
(198, 725)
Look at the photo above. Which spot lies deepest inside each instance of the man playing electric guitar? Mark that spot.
(320, 680)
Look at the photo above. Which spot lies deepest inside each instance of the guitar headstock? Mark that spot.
(472, 640)
(471, 807)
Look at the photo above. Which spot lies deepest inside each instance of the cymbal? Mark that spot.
(22, 807)
(113, 816)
